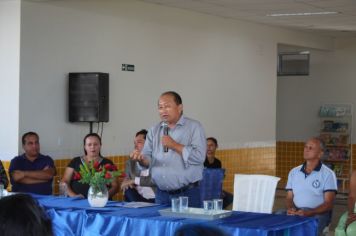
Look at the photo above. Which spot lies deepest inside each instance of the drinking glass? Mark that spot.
(183, 203)
(208, 206)
(63, 190)
(218, 204)
(175, 204)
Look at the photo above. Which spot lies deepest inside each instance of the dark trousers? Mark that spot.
(131, 195)
(193, 194)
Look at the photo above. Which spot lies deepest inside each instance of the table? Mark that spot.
(74, 216)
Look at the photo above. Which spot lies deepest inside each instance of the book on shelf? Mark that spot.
(336, 154)
(335, 140)
(332, 126)
(334, 110)
(337, 168)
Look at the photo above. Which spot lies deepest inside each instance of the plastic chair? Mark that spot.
(211, 184)
(254, 193)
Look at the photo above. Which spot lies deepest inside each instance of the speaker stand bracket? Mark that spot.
(91, 127)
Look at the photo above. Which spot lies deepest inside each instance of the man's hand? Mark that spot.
(350, 218)
(18, 175)
(136, 155)
(291, 211)
(304, 213)
(127, 183)
(168, 142)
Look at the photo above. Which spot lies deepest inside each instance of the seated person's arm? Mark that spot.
(323, 208)
(67, 178)
(33, 177)
(351, 216)
(291, 209)
(114, 188)
(145, 181)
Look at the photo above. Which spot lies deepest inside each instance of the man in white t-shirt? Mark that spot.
(312, 186)
(137, 178)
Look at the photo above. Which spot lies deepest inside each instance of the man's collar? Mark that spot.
(25, 157)
(317, 168)
(181, 121)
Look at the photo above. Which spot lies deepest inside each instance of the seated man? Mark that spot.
(32, 172)
(3, 177)
(133, 191)
(347, 222)
(311, 187)
(212, 162)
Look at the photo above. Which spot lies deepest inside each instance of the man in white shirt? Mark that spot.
(137, 177)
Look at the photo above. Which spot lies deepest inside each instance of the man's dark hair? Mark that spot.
(91, 135)
(213, 140)
(21, 215)
(142, 132)
(25, 135)
(176, 97)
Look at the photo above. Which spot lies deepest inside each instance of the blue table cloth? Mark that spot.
(74, 216)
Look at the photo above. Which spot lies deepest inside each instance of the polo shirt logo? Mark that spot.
(316, 183)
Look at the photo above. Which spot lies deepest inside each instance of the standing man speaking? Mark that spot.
(175, 150)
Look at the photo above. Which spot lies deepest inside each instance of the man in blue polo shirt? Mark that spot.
(32, 172)
(311, 187)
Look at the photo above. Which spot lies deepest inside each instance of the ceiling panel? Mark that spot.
(257, 11)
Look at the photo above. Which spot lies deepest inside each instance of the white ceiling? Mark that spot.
(342, 24)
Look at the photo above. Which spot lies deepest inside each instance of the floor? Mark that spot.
(340, 207)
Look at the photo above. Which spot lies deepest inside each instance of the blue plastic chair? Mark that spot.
(211, 184)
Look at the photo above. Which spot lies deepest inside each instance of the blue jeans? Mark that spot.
(163, 197)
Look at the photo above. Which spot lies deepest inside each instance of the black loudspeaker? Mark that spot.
(88, 97)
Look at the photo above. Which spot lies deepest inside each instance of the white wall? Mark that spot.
(9, 77)
(225, 70)
(331, 80)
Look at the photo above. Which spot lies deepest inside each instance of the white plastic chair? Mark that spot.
(254, 193)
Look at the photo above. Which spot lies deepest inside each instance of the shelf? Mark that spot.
(336, 160)
(338, 146)
(334, 132)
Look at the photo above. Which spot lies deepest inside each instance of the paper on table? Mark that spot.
(139, 204)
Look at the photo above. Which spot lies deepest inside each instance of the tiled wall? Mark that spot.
(290, 154)
(247, 161)
(244, 160)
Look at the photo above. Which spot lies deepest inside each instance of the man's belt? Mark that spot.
(183, 189)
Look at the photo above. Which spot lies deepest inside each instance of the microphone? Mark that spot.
(165, 132)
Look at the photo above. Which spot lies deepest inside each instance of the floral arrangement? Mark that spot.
(96, 175)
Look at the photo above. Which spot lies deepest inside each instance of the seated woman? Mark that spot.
(92, 146)
(3, 177)
(347, 222)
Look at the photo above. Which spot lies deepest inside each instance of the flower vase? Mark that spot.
(98, 195)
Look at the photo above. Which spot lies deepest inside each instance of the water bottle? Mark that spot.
(1, 190)
(63, 190)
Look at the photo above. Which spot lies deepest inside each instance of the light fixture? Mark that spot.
(305, 13)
